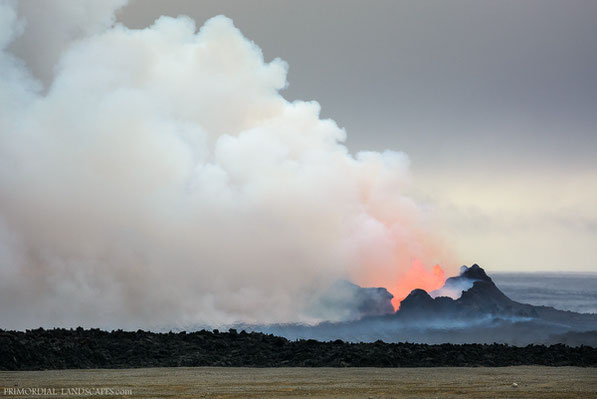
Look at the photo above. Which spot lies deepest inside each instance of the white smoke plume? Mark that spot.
(157, 178)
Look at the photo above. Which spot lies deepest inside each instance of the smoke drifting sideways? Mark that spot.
(455, 286)
(157, 178)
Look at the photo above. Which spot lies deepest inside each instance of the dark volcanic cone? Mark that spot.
(476, 311)
(482, 298)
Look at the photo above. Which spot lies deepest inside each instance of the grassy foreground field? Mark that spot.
(210, 382)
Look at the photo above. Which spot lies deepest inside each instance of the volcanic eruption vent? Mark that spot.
(158, 178)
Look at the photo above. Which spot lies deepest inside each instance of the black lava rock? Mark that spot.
(79, 349)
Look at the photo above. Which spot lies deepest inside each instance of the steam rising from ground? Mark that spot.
(160, 179)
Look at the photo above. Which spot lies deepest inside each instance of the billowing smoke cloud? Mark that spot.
(48, 30)
(157, 178)
(455, 286)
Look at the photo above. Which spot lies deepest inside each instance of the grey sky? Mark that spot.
(444, 81)
(494, 102)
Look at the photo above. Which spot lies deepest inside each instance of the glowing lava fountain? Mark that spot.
(417, 277)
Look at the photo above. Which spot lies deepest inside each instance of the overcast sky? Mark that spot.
(437, 79)
(495, 103)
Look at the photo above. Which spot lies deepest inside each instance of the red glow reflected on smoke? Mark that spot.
(417, 277)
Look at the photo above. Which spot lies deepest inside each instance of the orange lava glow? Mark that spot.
(417, 277)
